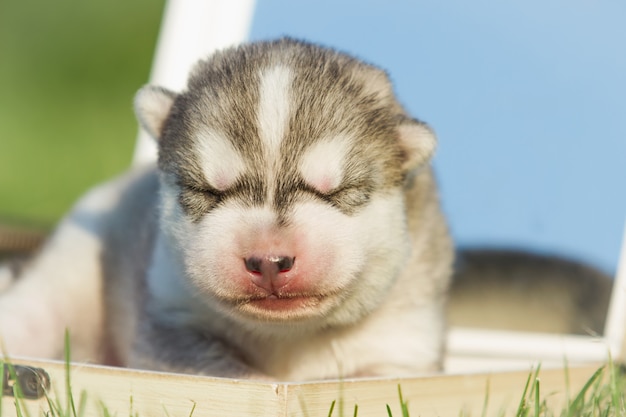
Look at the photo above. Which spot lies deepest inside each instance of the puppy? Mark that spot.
(290, 230)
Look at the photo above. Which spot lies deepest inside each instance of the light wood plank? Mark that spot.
(157, 394)
(445, 395)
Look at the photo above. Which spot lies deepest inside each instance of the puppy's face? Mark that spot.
(282, 170)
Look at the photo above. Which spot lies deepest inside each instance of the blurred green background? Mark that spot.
(68, 73)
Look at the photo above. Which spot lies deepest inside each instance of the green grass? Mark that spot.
(68, 74)
(598, 396)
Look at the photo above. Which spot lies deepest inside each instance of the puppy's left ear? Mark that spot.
(152, 106)
(418, 142)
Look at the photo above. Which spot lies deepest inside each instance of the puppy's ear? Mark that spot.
(418, 142)
(152, 106)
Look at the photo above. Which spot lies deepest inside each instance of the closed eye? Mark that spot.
(352, 196)
(199, 188)
(347, 198)
(206, 190)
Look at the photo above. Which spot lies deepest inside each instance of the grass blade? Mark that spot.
(521, 408)
(193, 409)
(20, 408)
(486, 401)
(55, 411)
(537, 402)
(82, 403)
(332, 407)
(579, 401)
(567, 386)
(69, 401)
(104, 409)
(404, 406)
(1, 384)
(167, 414)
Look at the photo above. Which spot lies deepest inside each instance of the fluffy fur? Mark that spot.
(291, 230)
(525, 291)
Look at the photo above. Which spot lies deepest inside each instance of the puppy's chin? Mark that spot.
(284, 308)
(281, 307)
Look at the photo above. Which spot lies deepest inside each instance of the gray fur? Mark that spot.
(333, 94)
(525, 291)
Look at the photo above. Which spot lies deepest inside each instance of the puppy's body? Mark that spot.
(291, 231)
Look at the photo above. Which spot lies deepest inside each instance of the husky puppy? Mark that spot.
(291, 230)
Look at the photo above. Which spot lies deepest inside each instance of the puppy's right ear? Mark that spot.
(152, 105)
(418, 142)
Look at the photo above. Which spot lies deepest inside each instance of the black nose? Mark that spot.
(270, 272)
(269, 264)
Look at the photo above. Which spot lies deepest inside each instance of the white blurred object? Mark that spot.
(615, 329)
(482, 350)
(191, 30)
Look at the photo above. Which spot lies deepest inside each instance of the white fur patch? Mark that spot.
(61, 290)
(221, 163)
(322, 165)
(274, 109)
(152, 105)
(419, 142)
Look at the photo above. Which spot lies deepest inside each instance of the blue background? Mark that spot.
(528, 99)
